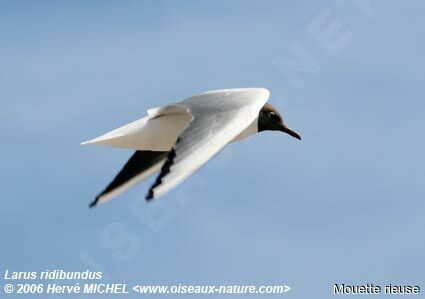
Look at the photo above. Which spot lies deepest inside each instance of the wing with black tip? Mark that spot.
(140, 166)
(217, 118)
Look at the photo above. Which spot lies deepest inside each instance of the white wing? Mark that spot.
(156, 132)
(218, 117)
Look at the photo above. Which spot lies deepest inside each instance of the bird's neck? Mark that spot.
(250, 130)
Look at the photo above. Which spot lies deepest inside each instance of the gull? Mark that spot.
(178, 139)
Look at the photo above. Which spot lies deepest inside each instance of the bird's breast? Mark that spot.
(250, 130)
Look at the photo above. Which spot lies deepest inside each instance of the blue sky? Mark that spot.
(345, 205)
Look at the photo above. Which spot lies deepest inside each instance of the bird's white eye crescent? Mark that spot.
(273, 115)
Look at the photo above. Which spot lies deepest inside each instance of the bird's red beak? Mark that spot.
(287, 130)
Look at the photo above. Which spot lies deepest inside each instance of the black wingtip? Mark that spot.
(149, 196)
(94, 203)
(164, 171)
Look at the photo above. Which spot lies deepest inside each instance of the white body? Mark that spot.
(204, 124)
(160, 129)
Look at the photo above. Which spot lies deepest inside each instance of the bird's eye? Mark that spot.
(273, 116)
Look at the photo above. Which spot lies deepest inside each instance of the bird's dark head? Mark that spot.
(270, 119)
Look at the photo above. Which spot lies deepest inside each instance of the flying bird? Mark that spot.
(180, 138)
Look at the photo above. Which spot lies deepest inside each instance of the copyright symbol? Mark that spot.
(8, 288)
